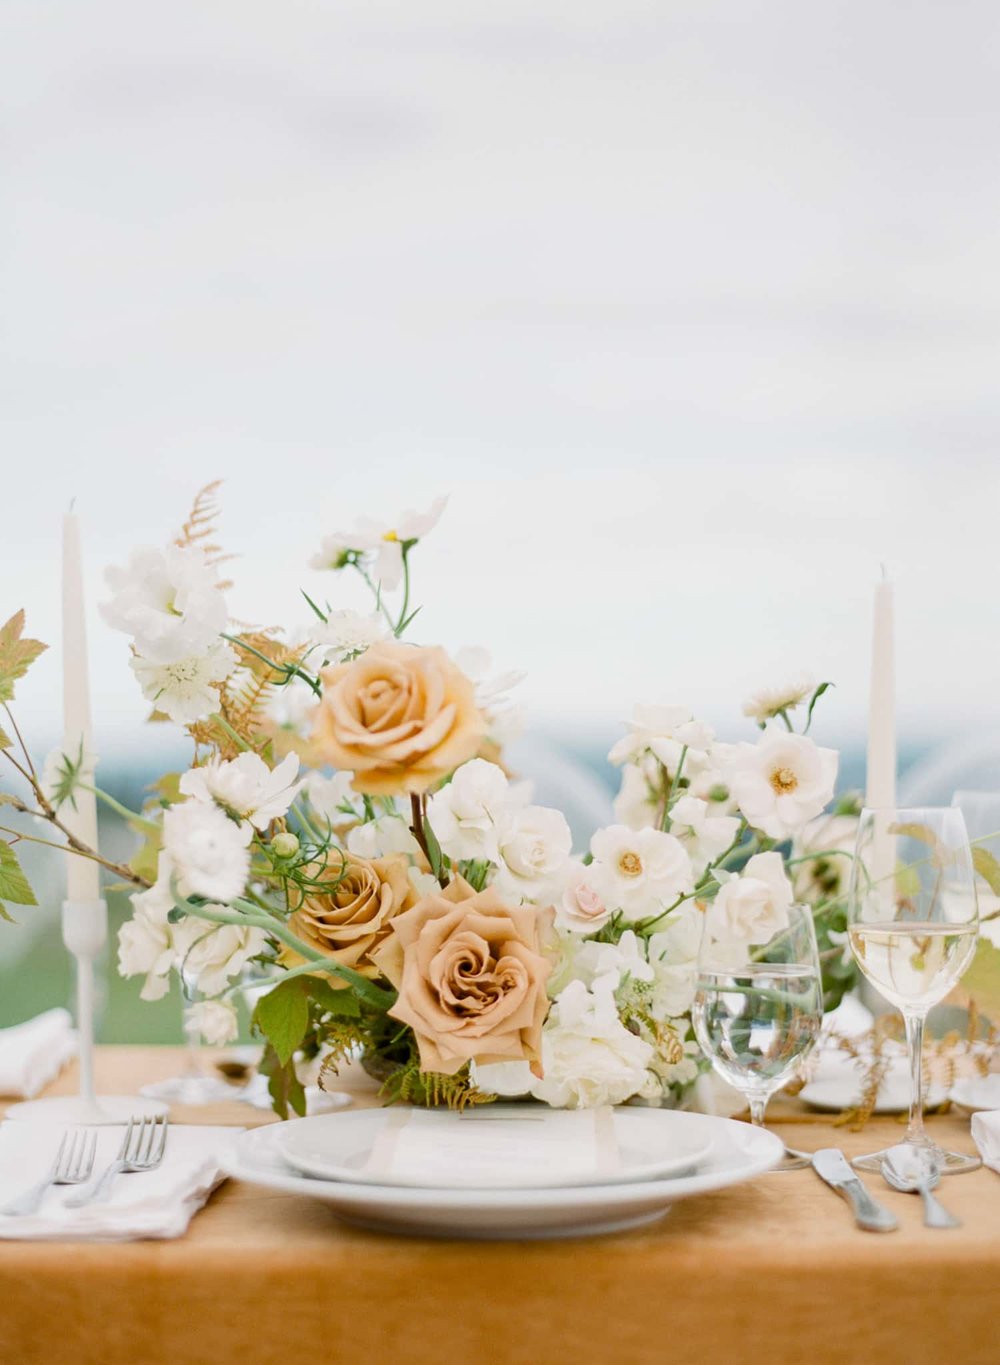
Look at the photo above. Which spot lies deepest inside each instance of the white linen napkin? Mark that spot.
(33, 1053)
(158, 1203)
(986, 1135)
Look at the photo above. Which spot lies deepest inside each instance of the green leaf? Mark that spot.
(988, 868)
(14, 885)
(823, 687)
(283, 1084)
(283, 1017)
(5, 740)
(319, 612)
(16, 655)
(343, 1002)
(981, 982)
(433, 850)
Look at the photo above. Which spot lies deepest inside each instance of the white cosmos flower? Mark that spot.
(218, 953)
(384, 540)
(208, 850)
(664, 731)
(704, 834)
(169, 601)
(214, 1020)
(469, 814)
(246, 787)
(673, 956)
(328, 796)
(579, 909)
(381, 838)
(753, 907)
(63, 774)
(347, 633)
(589, 1057)
(639, 872)
(782, 782)
(185, 689)
(534, 848)
(771, 701)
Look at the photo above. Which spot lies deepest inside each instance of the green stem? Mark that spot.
(665, 821)
(401, 621)
(130, 815)
(289, 670)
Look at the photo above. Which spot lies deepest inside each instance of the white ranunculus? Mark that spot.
(383, 837)
(384, 540)
(169, 601)
(469, 814)
(329, 797)
(617, 963)
(579, 909)
(782, 782)
(219, 953)
(772, 701)
(208, 850)
(703, 833)
(753, 907)
(673, 956)
(827, 877)
(664, 731)
(589, 1057)
(186, 689)
(214, 1020)
(246, 787)
(347, 633)
(639, 871)
(534, 848)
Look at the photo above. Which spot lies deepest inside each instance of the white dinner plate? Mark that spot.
(500, 1147)
(976, 1092)
(840, 1093)
(738, 1153)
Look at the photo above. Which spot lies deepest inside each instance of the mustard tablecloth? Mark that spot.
(773, 1271)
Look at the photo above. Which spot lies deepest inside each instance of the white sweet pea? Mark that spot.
(534, 848)
(704, 834)
(673, 956)
(579, 909)
(469, 814)
(782, 782)
(589, 1057)
(753, 907)
(214, 1020)
(639, 872)
(186, 689)
(208, 850)
(617, 963)
(328, 797)
(245, 787)
(769, 702)
(169, 601)
(347, 633)
(381, 838)
(218, 953)
(384, 540)
(665, 732)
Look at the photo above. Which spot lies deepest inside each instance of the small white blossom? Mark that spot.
(384, 540)
(187, 689)
(330, 796)
(469, 814)
(347, 633)
(292, 707)
(246, 787)
(771, 701)
(639, 872)
(782, 782)
(616, 963)
(148, 944)
(169, 601)
(382, 838)
(208, 850)
(219, 953)
(704, 834)
(534, 848)
(637, 803)
(673, 956)
(214, 1020)
(753, 907)
(665, 732)
(589, 1057)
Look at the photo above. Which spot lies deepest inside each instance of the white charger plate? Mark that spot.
(836, 1094)
(738, 1153)
(651, 1144)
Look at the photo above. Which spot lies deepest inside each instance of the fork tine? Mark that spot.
(135, 1147)
(88, 1150)
(151, 1137)
(123, 1149)
(59, 1151)
(68, 1157)
(162, 1147)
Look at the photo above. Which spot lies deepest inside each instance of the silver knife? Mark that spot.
(831, 1165)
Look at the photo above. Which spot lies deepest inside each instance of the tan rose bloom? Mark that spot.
(350, 919)
(470, 976)
(399, 717)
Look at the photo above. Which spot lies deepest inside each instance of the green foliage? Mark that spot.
(823, 687)
(14, 885)
(981, 982)
(407, 1084)
(434, 854)
(283, 1084)
(987, 867)
(16, 655)
(285, 1015)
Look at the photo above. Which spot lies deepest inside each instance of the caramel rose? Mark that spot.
(399, 717)
(470, 976)
(351, 916)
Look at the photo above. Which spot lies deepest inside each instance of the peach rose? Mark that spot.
(399, 717)
(352, 917)
(470, 976)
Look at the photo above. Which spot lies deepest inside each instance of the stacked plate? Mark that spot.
(506, 1171)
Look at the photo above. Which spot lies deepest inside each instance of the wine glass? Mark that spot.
(196, 1085)
(912, 921)
(982, 820)
(759, 1005)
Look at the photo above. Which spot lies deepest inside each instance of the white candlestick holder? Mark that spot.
(85, 932)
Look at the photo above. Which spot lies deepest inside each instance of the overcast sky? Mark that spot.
(693, 309)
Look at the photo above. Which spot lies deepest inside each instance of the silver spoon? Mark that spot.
(914, 1171)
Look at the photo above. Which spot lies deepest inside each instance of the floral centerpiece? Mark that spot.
(348, 833)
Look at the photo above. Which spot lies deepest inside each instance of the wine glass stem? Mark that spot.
(915, 1043)
(757, 1106)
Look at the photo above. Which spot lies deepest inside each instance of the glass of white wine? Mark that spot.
(913, 920)
(758, 1007)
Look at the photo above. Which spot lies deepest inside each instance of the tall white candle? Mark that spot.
(83, 874)
(881, 772)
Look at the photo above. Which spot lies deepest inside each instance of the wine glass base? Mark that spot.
(949, 1163)
(192, 1090)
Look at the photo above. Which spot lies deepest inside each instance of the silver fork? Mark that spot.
(141, 1149)
(73, 1164)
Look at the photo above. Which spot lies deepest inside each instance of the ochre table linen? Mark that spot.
(771, 1272)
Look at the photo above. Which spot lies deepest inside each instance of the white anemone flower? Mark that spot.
(186, 690)
(246, 787)
(169, 601)
(769, 702)
(384, 540)
(470, 813)
(782, 782)
(639, 871)
(207, 849)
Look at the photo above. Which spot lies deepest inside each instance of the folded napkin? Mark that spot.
(986, 1135)
(158, 1203)
(33, 1053)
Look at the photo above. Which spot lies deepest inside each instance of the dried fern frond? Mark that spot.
(199, 529)
(409, 1085)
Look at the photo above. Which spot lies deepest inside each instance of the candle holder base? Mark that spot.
(101, 1111)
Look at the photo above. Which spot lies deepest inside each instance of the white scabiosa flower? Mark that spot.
(169, 601)
(753, 906)
(245, 787)
(589, 1057)
(782, 782)
(185, 689)
(639, 872)
(772, 701)
(534, 849)
(207, 849)
(214, 1020)
(470, 813)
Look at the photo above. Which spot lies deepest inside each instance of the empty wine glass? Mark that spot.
(982, 821)
(913, 922)
(759, 1006)
(195, 1085)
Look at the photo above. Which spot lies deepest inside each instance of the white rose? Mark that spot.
(782, 782)
(467, 815)
(208, 850)
(639, 872)
(753, 906)
(214, 1020)
(579, 909)
(534, 849)
(219, 953)
(589, 1057)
